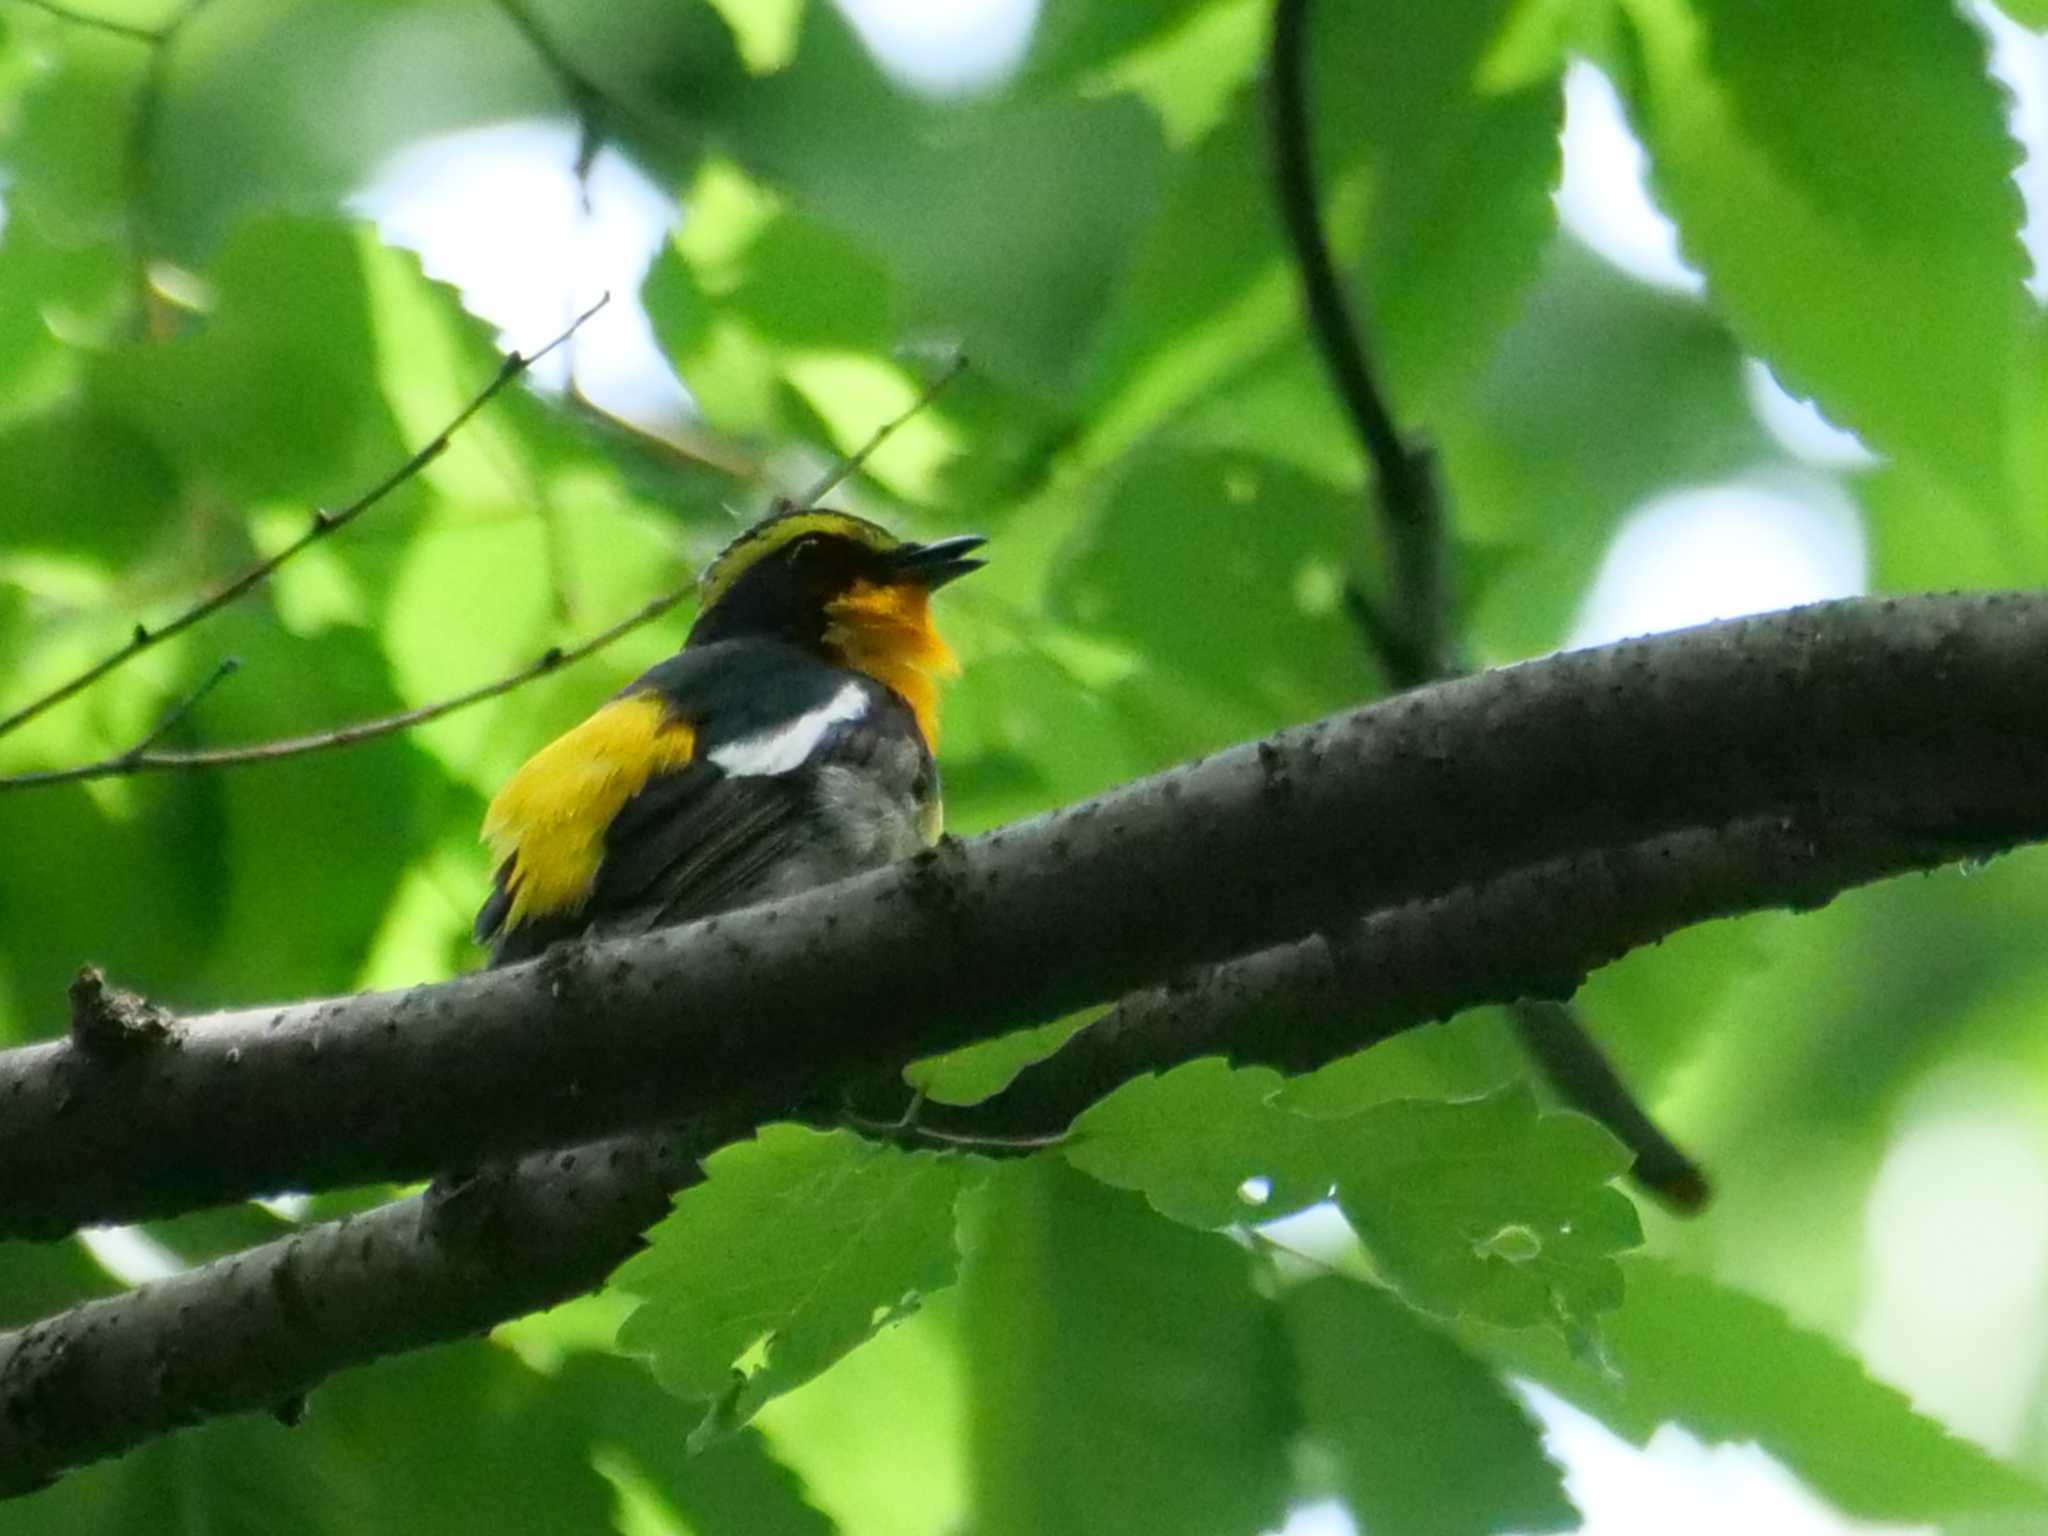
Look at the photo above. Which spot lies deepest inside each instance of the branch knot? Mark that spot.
(107, 1020)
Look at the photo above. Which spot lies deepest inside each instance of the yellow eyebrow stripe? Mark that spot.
(551, 816)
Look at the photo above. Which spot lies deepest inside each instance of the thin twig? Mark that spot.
(140, 760)
(851, 464)
(1414, 632)
(107, 24)
(225, 668)
(323, 524)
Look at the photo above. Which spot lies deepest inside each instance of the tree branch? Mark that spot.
(259, 1328)
(1915, 714)
(1418, 640)
(323, 525)
(1416, 635)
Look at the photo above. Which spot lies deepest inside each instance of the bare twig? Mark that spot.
(141, 760)
(223, 669)
(851, 464)
(1414, 632)
(322, 525)
(107, 24)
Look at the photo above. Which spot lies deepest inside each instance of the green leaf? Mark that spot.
(275, 393)
(1603, 393)
(1458, 211)
(797, 1246)
(359, 816)
(1442, 208)
(733, 1488)
(84, 480)
(460, 1441)
(1124, 1375)
(970, 206)
(1181, 533)
(764, 31)
(1855, 151)
(1488, 1209)
(1073, 37)
(1732, 1368)
(880, 1439)
(65, 143)
(1470, 1465)
(977, 1072)
(1194, 1141)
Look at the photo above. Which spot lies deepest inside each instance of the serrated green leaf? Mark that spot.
(1731, 1367)
(1842, 174)
(1123, 1373)
(1489, 1209)
(1472, 1464)
(797, 1246)
(1194, 1140)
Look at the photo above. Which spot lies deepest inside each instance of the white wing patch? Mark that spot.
(786, 746)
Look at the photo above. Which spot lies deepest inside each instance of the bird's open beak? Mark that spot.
(931, 566)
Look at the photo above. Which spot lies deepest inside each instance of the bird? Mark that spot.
(788, 743)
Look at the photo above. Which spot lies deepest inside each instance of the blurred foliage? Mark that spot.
(201, 342)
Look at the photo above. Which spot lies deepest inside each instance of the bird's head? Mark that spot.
(844, 588)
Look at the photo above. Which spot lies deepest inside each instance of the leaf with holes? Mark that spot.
(1489, 1209)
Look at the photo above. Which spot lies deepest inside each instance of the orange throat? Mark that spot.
(886, 632)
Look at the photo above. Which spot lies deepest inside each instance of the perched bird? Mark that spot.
(788, 743)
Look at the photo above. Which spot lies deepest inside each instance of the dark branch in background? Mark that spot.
(1416, 633)
(1416, 626)
(323, 524)
(1919, 715)
(261, 1327)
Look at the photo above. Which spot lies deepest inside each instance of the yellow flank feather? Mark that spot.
(550, 817)
(886, 631)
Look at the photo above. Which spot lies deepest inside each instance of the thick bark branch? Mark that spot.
(1922, 715)
(260, 1328)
